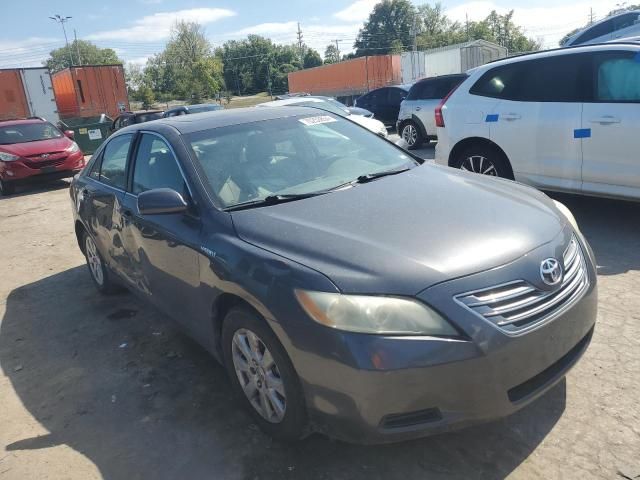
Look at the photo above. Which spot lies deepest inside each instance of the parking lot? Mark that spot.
(96, 386)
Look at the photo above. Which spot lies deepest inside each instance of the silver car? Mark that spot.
(416, 122)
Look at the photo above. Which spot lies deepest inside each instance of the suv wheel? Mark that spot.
(6, 188)
(262, 374)
(484, 160)
(410, 133)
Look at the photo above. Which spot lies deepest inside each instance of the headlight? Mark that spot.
(73, 148)
(380, 315)
(567, 214)
(8, 157)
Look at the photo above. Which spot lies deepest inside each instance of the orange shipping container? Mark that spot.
(91, 90)
(351, 77)
(13, 101)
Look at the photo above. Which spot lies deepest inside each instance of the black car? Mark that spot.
(189, 109)
(346, 286)
(131, 118)
(384, 102)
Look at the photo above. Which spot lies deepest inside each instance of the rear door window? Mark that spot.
(617, 77)
(553, 79)
(396, 95)
(113, 170)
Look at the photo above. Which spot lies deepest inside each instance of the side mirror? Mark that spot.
(69, 134)
(161, 201)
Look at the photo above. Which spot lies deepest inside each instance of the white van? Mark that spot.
(567, 120)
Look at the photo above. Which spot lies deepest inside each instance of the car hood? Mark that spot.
(376, 126)
(401, 234)
(28, 149)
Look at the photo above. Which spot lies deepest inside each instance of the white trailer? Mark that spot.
(461, 57)
(38, 91)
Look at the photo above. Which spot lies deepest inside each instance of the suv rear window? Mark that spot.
(561, 78)
(434, 89)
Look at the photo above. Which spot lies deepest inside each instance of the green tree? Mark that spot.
(570, 34)
(90, 54)
(312, 59)
(331, 54)
(251, 64)
(146, 96)
(391, 20)
(187, 68)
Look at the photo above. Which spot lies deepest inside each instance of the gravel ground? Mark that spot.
(107, 387)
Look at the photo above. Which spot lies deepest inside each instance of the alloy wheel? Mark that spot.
(479, 164)
(410, 134)
(94, 261)
(259, 375)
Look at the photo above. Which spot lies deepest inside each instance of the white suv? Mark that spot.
(566, 119)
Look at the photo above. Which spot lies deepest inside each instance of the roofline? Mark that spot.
(25, 68)
(630, 43)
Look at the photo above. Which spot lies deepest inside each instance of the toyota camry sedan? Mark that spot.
(347, 288)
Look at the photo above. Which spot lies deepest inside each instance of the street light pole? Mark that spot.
(62, 20)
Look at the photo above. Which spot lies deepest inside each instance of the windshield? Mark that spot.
(28, 132)
(290, 156)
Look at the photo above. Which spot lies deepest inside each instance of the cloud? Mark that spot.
(315, 35)
(358, 11)
(158, 25)
(30, 52)
(546, 24)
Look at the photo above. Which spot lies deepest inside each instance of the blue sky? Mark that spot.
(137, 29)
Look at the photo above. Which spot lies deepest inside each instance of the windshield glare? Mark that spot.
(28, 132)
(323, 105)
(293, 155)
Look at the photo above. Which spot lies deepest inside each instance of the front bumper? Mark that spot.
(20, 171)
(373, 389)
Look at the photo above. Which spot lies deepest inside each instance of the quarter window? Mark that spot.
(618, 78)
(156, 167)
(114, 161)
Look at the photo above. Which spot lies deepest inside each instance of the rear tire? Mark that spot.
(483, 159)
(6, 188)
(97, 269)
(410, 133)
(262, 375)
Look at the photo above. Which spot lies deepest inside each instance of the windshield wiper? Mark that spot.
(274, 200)
(373, 176)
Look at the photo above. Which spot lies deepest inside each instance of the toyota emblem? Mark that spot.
(551, 271)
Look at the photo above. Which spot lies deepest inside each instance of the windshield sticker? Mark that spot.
(317, 120)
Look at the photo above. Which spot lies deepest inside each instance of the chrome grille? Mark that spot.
(519, 306)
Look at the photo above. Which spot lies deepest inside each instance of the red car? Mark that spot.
(34, 147)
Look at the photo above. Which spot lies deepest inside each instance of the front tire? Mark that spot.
(97, 269)
(483, 159)
(410, 133)
(6, 188)
(262, 375)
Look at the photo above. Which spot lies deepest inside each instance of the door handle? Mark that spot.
(605, 120)
(511, 116)
(418, 109)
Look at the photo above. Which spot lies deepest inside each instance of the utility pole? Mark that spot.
(591, 16)
(466, 25)
(337, 48)
(414, 32)
(75, 37)
(62, 20)
(269, 78)
(300, 46)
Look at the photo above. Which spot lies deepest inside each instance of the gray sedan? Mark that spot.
(346, 287)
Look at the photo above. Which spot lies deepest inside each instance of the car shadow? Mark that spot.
(37, 186)
(612, 229)
(114, 379)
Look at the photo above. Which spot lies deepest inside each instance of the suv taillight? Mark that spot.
(438, 110)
